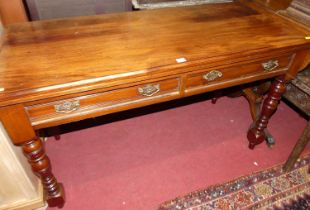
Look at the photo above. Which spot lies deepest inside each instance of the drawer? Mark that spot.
(231, 75)
(82, 107)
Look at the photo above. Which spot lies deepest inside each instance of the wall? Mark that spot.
(46, 9)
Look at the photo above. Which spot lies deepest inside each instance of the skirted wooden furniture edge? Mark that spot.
(66, 70)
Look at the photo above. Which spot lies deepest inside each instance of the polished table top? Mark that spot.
(57, 57)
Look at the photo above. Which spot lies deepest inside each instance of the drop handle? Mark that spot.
(270, 65)
(149, 90)
(212, 75)
(67, 106)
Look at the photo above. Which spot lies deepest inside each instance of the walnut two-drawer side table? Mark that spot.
(66, 70)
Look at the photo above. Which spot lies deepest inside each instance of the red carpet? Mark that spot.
(140, 162)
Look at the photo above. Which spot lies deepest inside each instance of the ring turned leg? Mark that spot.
(22, 134)
(34, 151)
(256, 133)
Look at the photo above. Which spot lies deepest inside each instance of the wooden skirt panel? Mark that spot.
(82, 107)
(59, 111)
(206, 80)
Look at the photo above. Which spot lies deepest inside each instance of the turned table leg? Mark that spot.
(256, 133)
(35, 153)
(255, 97)
(22, 134)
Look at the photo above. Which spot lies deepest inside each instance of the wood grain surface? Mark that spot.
(53, 58)
(12, 11)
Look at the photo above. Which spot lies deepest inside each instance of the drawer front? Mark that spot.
(100, 103)
(204, 79)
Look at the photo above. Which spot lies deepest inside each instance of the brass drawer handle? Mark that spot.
(149, 90)
(270, 65)
(212, 75)
(67, 106)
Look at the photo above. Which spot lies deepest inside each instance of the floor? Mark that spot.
(138, 159)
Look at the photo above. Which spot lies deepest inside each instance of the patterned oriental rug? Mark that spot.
(268, 189)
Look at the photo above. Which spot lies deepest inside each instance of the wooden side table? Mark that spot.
(66, 70)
